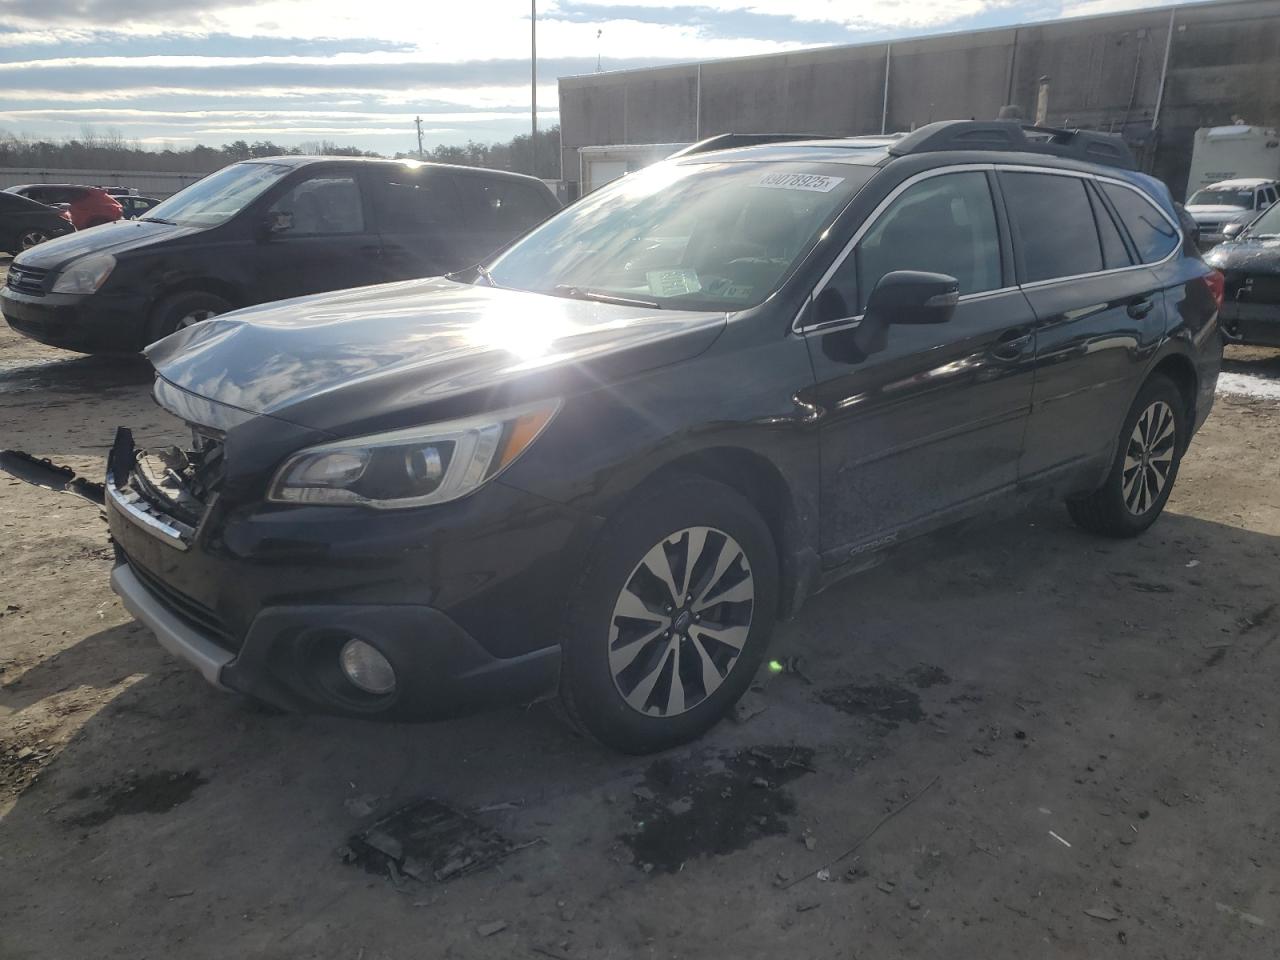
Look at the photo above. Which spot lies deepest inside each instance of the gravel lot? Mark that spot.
(1085, 730)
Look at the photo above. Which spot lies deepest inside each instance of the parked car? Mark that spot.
(266, 230)
(1227, 203)
(135, 207)
(604, 465)
(88, 206)
(25, 223)
(1250, 264)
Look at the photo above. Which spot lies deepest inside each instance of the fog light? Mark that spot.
(366, 668)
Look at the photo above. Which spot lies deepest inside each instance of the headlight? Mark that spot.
(411, 468)
(85, 275)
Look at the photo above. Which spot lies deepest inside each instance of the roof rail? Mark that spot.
(1014, 137)
(727, 141)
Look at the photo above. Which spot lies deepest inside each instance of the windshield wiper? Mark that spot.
(483, 271)
(599, 296)
(158, 220)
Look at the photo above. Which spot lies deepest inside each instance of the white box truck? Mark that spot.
(1236, 152)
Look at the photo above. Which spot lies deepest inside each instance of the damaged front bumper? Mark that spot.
(260, 599)
(174, 634)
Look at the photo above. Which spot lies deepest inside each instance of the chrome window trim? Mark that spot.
(875, 214)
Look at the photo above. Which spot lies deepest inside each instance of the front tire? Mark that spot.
(1152, 440)
(181, 310)
(32, 238)
(672, 618)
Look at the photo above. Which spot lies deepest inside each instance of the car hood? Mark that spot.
(1248, 255)
(1217, 211)
(375, 356)
(115, 238)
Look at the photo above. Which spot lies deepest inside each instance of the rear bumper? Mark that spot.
(1252, 323)
(94, 323)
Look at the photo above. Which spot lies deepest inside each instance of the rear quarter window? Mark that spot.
(1153, 235)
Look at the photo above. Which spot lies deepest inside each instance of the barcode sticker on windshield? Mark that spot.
(800, 181)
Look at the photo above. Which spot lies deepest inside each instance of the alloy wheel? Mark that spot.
(32, 238)
(1148, 460)
(195, 316)
(680, 622)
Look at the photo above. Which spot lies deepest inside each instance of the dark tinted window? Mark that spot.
(1114, 252)
(320, 205)
(944, 224)
(1153, 235)
(504, 206)
(409, 200)
(1054, 225)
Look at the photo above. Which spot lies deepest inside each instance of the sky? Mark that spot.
(161, 73)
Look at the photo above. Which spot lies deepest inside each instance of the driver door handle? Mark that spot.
(1012, 344)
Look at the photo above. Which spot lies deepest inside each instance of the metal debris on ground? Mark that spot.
(866, 836)
(427, 840)
(489, 929)
(1102, 913)
(1059, 839)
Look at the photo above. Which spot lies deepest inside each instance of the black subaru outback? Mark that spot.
(602, 466)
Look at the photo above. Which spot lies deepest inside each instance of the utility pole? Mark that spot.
(417, 122)
(533, 87)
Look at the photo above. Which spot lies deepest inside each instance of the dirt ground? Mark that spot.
(1084, 733)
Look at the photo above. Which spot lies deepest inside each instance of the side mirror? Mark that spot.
(902, 296)
(913, 296)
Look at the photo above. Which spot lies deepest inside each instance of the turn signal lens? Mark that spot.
(522, 432)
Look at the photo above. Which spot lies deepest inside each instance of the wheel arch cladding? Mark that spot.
(760, 483)
(1182, 372)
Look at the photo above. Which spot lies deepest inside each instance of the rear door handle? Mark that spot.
(1141, 307)
(1012, 344)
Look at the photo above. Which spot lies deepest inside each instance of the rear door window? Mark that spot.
(408, 200)
(1054, 225)
(1153, 235)
(1114, 252)
(508, 207)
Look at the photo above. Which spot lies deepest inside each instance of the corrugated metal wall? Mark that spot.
(1223, 61)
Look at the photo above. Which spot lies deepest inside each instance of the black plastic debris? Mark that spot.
(42, 472)
(428, 841)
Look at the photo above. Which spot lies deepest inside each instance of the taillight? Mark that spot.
(65, 215)
(1217, 285)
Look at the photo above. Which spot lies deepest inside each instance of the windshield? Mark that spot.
(1266, 225)
(697, 236)
(1222, 198)
(218, 197)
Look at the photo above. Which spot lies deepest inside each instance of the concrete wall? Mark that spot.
(1105, 73)
(158, 184)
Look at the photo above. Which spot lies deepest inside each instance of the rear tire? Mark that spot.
(1149, 450)
(181, 310)
(671, 619)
